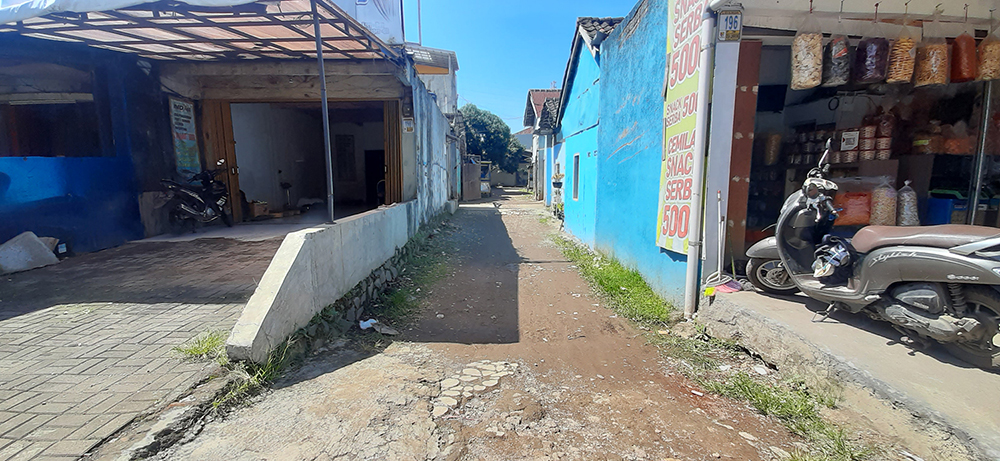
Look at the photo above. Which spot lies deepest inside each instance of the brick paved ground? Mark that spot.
(86, 345)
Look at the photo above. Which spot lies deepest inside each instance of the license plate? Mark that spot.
(222, 201)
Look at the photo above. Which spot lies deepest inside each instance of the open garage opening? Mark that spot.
(281, 159)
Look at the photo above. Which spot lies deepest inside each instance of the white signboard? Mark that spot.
(383, 17)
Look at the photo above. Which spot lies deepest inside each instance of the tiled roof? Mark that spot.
(549, 113)
(593, 26)
(533, 106)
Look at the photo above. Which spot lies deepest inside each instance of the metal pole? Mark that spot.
(691, 286)
(420, 25)
(325, 109)
(977, 169)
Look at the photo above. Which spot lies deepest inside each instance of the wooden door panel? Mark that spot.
(217, 129)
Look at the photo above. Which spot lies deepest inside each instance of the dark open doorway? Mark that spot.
(374, 175)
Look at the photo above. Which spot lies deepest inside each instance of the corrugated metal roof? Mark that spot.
(173, 31)
(432, 56)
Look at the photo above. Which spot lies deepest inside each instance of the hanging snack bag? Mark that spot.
(855, 208)
(902, 56)
(906, 206)
(807, 55)
(989, 57)
(964, 63)
(932, 56)
(871, 58)
(837, 60)
(883, 211)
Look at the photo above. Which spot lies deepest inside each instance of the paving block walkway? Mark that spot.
(87, 345)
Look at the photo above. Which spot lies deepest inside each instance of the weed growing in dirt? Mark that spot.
(208, 345)
(250, 378)
(425, 265)
(624, 288)
(790, 401)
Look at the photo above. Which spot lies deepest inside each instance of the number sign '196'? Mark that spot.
(680, 112)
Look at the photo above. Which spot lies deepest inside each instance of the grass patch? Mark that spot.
(208, 345)
(791, 401)
(623, 288)
(251, 378)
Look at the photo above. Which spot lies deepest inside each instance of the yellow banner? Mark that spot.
(680, 109)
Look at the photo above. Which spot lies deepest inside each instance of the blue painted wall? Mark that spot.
(630, 139)
(90, 202)
(578, 130)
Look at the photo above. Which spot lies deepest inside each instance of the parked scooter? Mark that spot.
(190, 205)
(932, 283)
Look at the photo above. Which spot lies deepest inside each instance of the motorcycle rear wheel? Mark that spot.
(984, 305)
(759, 271)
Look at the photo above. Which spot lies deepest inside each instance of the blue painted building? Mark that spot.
(630, 148)
(82, 135)
(578, 121)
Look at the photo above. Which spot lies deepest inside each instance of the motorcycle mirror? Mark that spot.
(221, 161)
(826, 153)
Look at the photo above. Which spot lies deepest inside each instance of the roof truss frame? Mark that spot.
(175, 31)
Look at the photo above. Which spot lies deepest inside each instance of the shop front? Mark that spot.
(906, 100)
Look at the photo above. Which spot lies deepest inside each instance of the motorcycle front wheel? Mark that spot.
(770, 276)
(983, 305)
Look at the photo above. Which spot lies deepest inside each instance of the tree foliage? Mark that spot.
(488, 136)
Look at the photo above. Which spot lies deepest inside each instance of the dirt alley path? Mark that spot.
(585, 384)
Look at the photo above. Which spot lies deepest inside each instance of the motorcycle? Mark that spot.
(932, 283)
(189, 205)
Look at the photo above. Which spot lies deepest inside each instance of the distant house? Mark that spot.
(577, 122)
(539, 115)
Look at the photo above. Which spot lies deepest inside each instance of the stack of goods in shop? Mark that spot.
(873, 201)
(807, 148)
(935, 138)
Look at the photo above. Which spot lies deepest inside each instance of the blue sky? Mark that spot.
(505, 47)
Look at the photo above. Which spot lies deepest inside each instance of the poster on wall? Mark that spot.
(185, 137)
(679, 125)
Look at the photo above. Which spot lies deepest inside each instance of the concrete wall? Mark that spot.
(579, 126)
(433, 161)
(445, 88)
(630, 146)
(269, 139)
(311, 270)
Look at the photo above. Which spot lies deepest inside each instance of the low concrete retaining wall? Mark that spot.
(778, 344)
(312, 269)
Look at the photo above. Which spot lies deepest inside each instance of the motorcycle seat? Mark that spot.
(944, 236)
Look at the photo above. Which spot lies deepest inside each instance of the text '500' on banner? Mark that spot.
(680, 112)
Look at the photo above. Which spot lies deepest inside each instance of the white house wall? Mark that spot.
(269, 139)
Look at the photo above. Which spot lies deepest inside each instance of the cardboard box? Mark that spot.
(258, 209)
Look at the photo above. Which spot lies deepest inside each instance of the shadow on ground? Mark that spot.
(477, 301)
(883, 329)
(205, 271)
